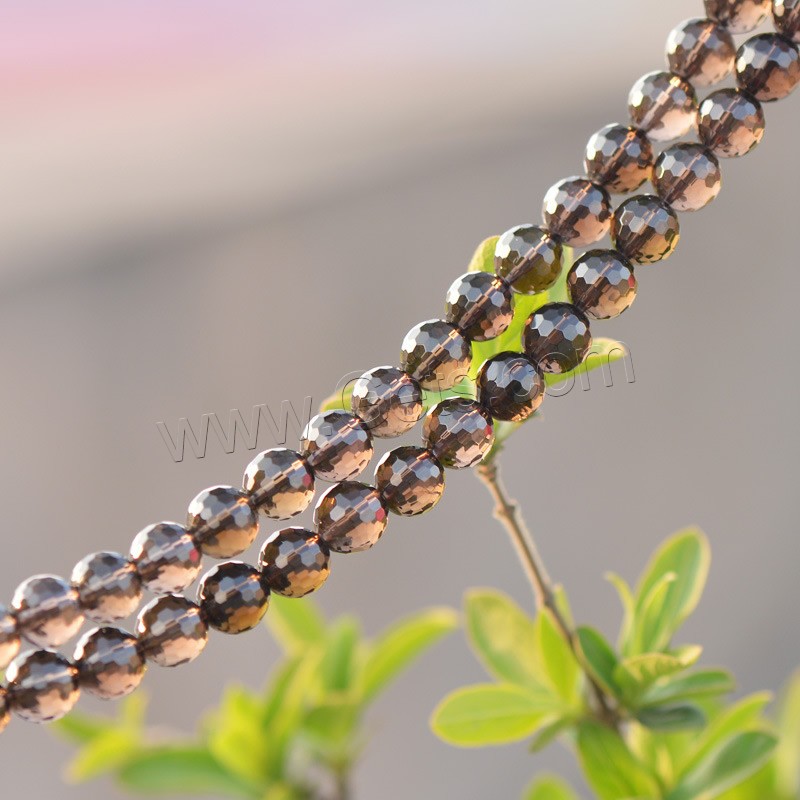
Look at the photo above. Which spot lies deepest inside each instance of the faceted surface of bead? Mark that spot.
(662, 104)
(295, 562)
(510, 386)
(577, 210)
(436, 354)
(47, 610)
(110, 663)
(602, 284)
(687, 176)
(9, 637)
(5, 711)
(166, 557)
(42, 686)
(786, 14)
(171, 630)
(388, 401)
(557, 337)
(701, 51)
(410, 480)
(731, 123)
(108, 586)
(350, 517)
(233, 596)
(223, 521)
(738, 16)
(337, 445)
(645, 229)
(280, 483)
(458, 432)
(619, 157)
(528, 258)
(479, 305)
(768, 67)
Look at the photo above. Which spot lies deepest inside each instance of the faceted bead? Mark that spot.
(731, 123)
(171, 630)
(410, 480)
(528, 258)
(768, 66)
(510, 386)
(436, 354)
(479, 305)
(166, 557)
(47, 610)
(701, 51)
(350, 517)
(458, 432)
(577, 211)
(295, 562)
(223, 521)
(557, 337)
(388, 401)
(234, 597)
(786, 14)
(9, 636)
(664, 105)
(337, 445)
(645, 229)
(5, 711)
(42, 686)
(110, 663)
(280, 483)
(601, 284)
(108, 586)
(619, 157)
(687, 176)
(738, 16)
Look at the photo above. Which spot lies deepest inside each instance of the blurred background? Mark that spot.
(213, 205)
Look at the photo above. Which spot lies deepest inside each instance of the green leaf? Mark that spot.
(295, 624)
(548, 733)
(483, 258)
(603, 353)
(104, 754)
(558, 660)
(703, 683)
(549, 787)
(672, 718)
(628, 607)
(649, 611)
(82, 728)
(637, 674)
(787, 760)
(600, 658)
(339, 665)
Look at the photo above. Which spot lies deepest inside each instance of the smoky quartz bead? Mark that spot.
(436, 354)
(577, 210)
(171, 630)
(223, 521)
(42, 686)
(738, 16)
(47, 610)
(557, 337)
(350, 517)
(786, 14)
(388, 401)
(337, 445)
(280, 483)
(619, 157)
(601, 283)
(108, 585)
(731, 123)
(768, 67)
(110, 663)
(166, 557)
(9, 636)
(295, 562)
(410, 480)
(458, 432)
(701, 51)
(510, 386)
(233, 597)
(479, 305)
(5, 711)
(663, 104)
(528, 258)
(687, 176)
(645, 229)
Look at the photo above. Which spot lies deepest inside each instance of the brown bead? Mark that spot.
(768, 67)
(577, 210)
(479, 305)
(410, 480)
(458, 432)
(110, 663)
(350, 517)
(602, 284)
(510, 386)
(731, 123)
(295, 562)
(786, 14)
(388, 401)
(664, 105)
(171, 630)
(5, 711)
(528, 258)
(619, 157)
(108, 586)
(687, 176)
(738, 16)
(556, 337)
(337, 445)
(233, 597)
(166, 557)
(223, 521)
(280, 483)
(436, 354)
(701, 51)
(645, 229)
(9, 636)
(42, 686)
(47, 610)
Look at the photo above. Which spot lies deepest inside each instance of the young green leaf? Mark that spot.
(787, 759)
(672, 718)
(603, 353)
(483, 258)
(549, 787)
(340, 662)
(637, 674)
(628, 607)
(295, 624)
(103, 754)
(548, 733)
(557, 659)
(599, 657)
(703, 683)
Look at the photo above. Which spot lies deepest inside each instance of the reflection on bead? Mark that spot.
(701, 51)
(5, 711)
(337, 445)
(602, 284)
(280, 483)
(350, 517)
(577, 211)
(619, 157)
(458, 432)
(786, 14)
(233, 596)
(664, 105)
(294, 562)
(479, 305)
(731, 123)
(110, 663)
(510, 386)
(9, 637)
(687, 176)
(410, 480)
(645, 229)
(166, 557)
(557, 337)
(108, 586)
(528, 258)
(388, 401)
(42, 686)
(768, 67)
(223, 521)
(171, 630)
(47, 610)
(738, 16)
(436, 354)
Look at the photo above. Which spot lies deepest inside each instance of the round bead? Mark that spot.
(280, 483)
(701, 51)
(577, 211)
(350, 517)
(436, 354)
(768, 66)
(337, 445)
(731, 123)
(557, 337)
(458, 432)
(645, 229)
(528, 258)
(9, 636)
(619, 157)
(47, 610)
(233, 597)
(295, 562)
(410, 480)
(786, 14)
(388, 401)
(42, 686)
(510, 387)
(663, 104)
(479, 305)
(223, 521)
(166, 557)
(602, 284)
(738, 16)
(108, 586)
(171, 630)
(687, 176)
(5, 711)
(110, 663)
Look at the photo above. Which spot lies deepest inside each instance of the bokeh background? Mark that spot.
(212, 205)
